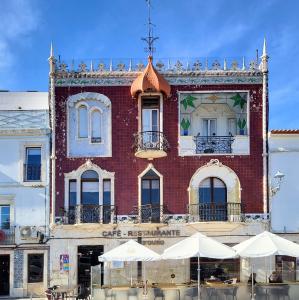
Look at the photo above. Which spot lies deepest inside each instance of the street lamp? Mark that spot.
(278, 179)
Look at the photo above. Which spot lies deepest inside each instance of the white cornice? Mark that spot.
(24, 132)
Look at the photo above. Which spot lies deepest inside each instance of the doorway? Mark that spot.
(88, 256)
(4, 275)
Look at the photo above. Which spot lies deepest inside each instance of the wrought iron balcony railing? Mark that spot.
(32, 172)
(150, 140)
(104, 214)
(149, 213)
(7, 236)
(204, 212)
(213, 144)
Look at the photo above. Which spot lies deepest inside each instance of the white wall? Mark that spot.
(29, 201)
(284, 157)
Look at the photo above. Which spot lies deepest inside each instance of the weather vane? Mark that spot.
(150, 39)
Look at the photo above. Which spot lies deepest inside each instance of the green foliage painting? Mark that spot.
(185, 124)
(238, 100)
(241, 123)
(188, 101)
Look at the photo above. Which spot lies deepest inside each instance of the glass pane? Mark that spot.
(155, 192)
(90, 174)
(73, 193)
(35, 268)
(155, 123)
(145, 184)
(107, 192)
(146, 120)
(33, 156)
(218, 183)
(4, 217)
(90, 193)
(83, 122)
(96, 124)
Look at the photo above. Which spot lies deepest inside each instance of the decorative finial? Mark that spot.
(264, 48)
(243, 64)
(150, 39)
(51, 50)
(91, 66)
(264, 57)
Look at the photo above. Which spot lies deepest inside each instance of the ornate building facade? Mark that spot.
(155, 151)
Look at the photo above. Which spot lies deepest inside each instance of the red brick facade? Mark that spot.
(177, 171)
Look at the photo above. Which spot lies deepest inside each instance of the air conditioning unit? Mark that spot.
(28, 232)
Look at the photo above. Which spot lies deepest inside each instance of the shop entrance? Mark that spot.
(4, 275)
(88, 256)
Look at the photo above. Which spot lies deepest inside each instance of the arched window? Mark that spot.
(90, 188)
(212, 200)
(96, 126)
(150, 197)
(83, 121)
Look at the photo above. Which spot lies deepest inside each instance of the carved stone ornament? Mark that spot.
(121, 67)
(253, 65)
(214, 162)
(160, 65)
(235, 65)
(101, 67)
(63, 67)
(216, 65)
(140, 66)
(82, 67)
(88, 96)
(179, 66)
(197, 65)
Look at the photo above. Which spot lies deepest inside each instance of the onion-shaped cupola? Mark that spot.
(150, 81)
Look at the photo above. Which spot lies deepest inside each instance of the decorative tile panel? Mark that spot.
(18, 268)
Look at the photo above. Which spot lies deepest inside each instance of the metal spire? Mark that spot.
(51, 50)
(150, 39)
(264, 48)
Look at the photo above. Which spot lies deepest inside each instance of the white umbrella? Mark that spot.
(130, 251)
(201, 246)
(266, 244)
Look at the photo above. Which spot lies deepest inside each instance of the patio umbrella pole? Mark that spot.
(131, 265)
(198, 277)
(252, 285)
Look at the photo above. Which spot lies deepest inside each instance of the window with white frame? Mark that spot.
(4, 216)
(32, 168)
(89, 125)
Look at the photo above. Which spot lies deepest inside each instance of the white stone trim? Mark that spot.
(214, 168)
(25, 268)
(76, 175)
(44, 161)
(150, 167)
(75, 101)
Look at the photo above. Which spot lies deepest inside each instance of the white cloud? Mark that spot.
(18, 19)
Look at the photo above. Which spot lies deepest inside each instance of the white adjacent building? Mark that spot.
(284, 191)
(24, 193)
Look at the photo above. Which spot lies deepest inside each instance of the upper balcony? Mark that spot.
(150, 145)
(159, 214)
(214, 123)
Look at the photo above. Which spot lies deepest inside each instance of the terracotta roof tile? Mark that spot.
(150, 81)
(285, 131)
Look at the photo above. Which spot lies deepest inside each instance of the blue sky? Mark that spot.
(187, 28)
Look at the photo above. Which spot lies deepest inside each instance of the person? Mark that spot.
(275, 277)
(250, 279)
(218, 272)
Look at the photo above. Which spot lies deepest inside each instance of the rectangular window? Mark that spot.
(4, 217)
(107, 209)
(72, 193)
(32, 168)
(35, 268)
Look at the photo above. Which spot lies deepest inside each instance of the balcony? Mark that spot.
(32, 172)
(149, 214)
(7, 236)
(210, 212)
(150, 145)
(213, 144)
(103, 214)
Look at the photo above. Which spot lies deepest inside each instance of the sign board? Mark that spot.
(64, 263)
